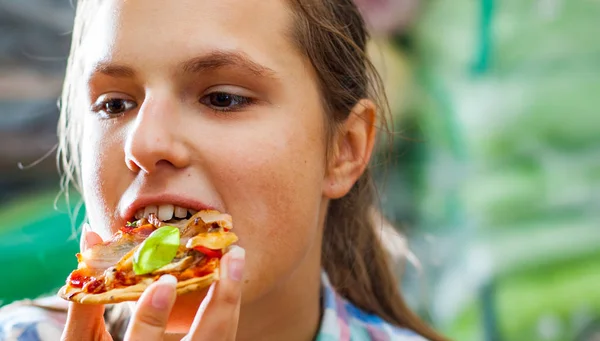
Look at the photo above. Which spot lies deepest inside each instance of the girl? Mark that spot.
(265, 110)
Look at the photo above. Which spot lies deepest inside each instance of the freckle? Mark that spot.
(247, 281)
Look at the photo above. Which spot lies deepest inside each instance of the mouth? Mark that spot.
(164, 213)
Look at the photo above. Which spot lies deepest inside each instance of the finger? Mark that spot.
(88, 238)
(84, 320)
(218, 315)
(152, 311)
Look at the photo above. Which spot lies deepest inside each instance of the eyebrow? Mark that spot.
(220, 59)
(208, 62)
(114, 70)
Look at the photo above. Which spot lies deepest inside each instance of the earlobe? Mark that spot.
(352, 149)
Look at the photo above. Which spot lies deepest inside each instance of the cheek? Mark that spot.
(102, 175)
(271, 183)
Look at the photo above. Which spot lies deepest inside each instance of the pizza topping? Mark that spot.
(208, 252)
(214, 240)
(177, 266)
(94, 286)
(210, 216)
(153, 219)
(123, 278)
(143, 250)
(204, 267)
(78, 279)
(102, 256)
(179, 223)
(126, 262)
(157, 250)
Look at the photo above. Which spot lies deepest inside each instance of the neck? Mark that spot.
(292, 311)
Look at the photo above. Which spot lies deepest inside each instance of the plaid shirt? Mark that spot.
(342, 321)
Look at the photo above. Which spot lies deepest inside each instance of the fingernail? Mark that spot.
(163, 295)
(87, 230)
(235, 266)
(83, 243)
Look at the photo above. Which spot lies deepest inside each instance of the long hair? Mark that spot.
(333, 36)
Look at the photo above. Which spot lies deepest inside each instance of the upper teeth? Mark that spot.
(164, 212)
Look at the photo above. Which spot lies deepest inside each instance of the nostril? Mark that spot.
(164, 163)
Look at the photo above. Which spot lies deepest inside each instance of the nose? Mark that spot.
(153, 139)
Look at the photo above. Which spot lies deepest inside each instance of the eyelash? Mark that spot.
(240, 103)
(100, 107)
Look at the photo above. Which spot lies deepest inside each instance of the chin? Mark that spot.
(185, 310)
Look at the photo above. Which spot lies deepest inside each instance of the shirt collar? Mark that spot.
(334, 322)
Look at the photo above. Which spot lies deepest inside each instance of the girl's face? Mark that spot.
(207, 104)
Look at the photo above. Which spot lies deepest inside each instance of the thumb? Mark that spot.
(149, 321)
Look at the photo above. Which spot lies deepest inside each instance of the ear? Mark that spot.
(351, 150)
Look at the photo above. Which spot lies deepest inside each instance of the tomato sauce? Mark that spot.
(206, 268)
(77, 279)
(95, 286)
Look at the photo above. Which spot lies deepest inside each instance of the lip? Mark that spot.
(129, 212)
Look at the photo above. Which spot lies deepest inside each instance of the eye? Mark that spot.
(223, 101)
(110, 107)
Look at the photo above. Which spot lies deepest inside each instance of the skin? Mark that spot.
(264, 162)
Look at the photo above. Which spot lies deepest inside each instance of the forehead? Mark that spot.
(155, 33)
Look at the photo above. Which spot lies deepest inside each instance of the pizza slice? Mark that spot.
(121, 268)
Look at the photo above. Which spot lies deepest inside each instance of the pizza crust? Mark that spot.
(134, 292)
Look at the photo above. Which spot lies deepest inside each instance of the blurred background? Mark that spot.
(494, 177)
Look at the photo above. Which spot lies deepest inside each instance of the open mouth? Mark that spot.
(165, 213)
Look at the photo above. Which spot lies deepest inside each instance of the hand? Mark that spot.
(216, 319)
(86, 322)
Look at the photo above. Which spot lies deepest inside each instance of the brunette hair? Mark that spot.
(333, 36)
